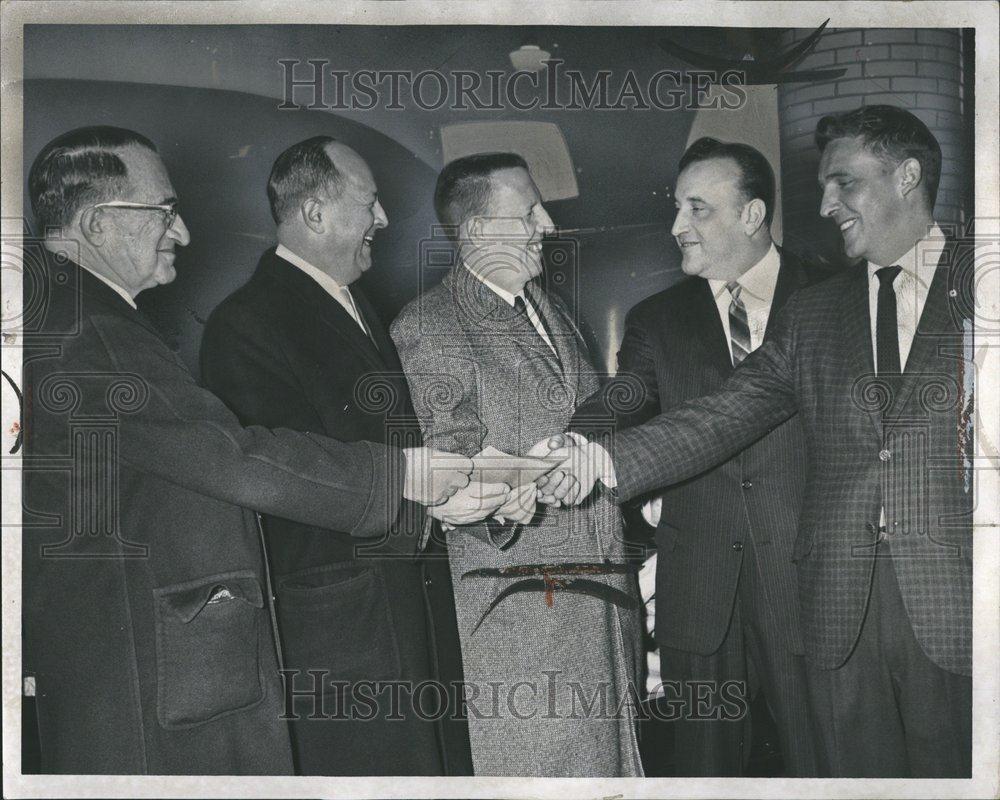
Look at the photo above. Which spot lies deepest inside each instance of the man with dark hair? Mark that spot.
(146, 604)
(724, 613)
(874, 360)
(299, 346)
(494, 361)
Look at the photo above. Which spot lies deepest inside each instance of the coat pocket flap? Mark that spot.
(187, 603)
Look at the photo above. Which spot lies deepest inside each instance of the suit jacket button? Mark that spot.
(746, 484)
(428, 580)
(884, 455)
(737, 546)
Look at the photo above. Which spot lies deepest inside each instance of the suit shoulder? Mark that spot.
(665, 301)
(426, 313)
(251, 305)
(824, 285)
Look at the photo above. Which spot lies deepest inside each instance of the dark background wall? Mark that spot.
(209, 97)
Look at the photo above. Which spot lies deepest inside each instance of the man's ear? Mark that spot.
(312, 214)
(754, 214)
(474, 228)
(910, 174)
(94, 224)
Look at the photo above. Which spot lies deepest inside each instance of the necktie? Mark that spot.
(886, 327)
(739, 329)
(521, 304)
(359, 317)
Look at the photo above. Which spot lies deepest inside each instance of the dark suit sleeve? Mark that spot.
(252, 379)
(632, 396)
(182, 433)
(704, 432)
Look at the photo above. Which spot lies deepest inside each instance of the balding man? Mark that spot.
(300, 346)
(147, 632)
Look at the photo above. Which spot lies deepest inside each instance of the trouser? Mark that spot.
(889, 711)
(751, 653)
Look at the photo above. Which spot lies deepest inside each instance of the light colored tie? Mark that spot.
(356, 313)
(739, 329)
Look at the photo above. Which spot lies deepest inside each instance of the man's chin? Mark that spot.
(166, 274)
(853, 249)
(690, 266)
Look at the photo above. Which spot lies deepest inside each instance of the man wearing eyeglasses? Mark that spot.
(148, 637)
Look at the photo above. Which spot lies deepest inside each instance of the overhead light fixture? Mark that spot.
(529, 58)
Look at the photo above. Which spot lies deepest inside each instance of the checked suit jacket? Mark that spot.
(675, 346)
(871, 442)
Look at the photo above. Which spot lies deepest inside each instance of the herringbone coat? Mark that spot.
(480, 375)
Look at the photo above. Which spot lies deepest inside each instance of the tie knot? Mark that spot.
(886, 275)
(734, 289)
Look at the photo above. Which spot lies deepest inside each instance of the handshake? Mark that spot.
(444, 482)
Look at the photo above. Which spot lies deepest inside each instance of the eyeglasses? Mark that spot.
(169, 210)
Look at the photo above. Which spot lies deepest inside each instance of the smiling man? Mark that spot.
(724, 612)
(873, 360)
(494, 360)
(147, 604)
(300, 346)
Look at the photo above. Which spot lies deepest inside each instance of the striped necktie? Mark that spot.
(739, 329)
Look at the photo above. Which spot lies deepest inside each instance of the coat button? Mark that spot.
(884, 455)
(737, 546)
(746, 484)
(428, 580)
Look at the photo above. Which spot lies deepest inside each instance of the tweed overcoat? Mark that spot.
(481, 375)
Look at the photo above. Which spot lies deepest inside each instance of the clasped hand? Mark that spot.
(571, 482)
(441, 481)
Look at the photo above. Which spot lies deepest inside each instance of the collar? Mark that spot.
(499, 291)
(920, 261)
(758, 282)
(324, 280)
(111, 284)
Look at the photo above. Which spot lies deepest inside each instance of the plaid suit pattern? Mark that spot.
(869, 445)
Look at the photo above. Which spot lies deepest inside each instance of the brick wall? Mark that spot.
(918, 69)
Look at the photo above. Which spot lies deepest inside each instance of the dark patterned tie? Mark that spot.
(886, 326)
(739, 329)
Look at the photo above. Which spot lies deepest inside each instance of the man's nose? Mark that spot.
(829, 204)
(545, 223)
(680, 224)
(178, 231)
(381, 218)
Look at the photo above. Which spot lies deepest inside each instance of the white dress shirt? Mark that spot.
(510, 299)
(911, 287)
(341, 294)
(758, 284)
(110, 283)
(917, 267)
